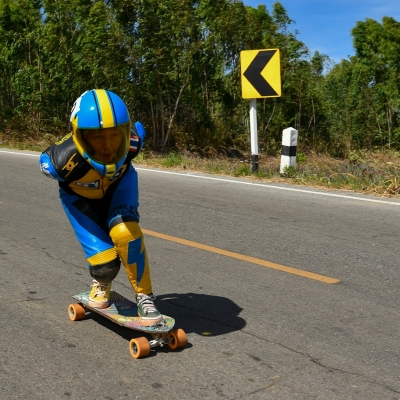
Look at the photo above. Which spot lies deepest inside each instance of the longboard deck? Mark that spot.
(124, 312)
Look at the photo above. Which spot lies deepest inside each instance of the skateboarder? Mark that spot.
(98, 189)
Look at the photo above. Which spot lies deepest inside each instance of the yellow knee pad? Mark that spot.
(129, 243)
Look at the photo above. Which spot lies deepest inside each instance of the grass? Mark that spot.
(375, 173)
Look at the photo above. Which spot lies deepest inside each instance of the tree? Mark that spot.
(378, 50)
(20, 63)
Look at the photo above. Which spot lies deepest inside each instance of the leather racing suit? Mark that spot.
(102, 211)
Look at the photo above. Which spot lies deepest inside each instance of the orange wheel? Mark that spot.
(177, 339)
(139, 347)
(76, 312)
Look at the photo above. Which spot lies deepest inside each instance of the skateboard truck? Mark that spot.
(140, 347)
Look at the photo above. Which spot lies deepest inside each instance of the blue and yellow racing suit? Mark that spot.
(102, 211)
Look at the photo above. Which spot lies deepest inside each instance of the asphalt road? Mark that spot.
(254, 332)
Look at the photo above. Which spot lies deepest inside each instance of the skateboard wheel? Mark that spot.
(177, 339)
(139, 347)
(76, 312)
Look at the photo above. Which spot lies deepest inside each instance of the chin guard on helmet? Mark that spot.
(100, 109)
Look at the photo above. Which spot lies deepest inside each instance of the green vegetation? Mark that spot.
(373, 173)
(176, 64)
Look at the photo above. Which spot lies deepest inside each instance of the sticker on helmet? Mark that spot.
(77, 106)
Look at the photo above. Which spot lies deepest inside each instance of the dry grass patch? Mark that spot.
(374, 173)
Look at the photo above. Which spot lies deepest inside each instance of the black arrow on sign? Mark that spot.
(253, 73)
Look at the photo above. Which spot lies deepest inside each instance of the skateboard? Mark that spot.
(123, 312)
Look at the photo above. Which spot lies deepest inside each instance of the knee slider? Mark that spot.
(105, 273)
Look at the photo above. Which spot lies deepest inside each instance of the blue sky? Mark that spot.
(325, 25)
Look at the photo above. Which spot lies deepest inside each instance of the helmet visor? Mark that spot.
(105, 145)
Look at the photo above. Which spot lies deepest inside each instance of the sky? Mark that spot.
(325, 25)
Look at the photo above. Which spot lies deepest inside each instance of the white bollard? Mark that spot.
(289, 147)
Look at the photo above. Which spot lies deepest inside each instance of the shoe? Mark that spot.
(99, 295)
(147, 311)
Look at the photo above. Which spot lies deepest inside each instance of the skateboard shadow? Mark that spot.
(202, 314)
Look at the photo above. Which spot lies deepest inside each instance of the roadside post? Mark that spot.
(289, 149)
(260, 78)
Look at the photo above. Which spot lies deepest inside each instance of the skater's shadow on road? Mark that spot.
(201, 313)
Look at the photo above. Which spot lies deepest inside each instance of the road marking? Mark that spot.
(264, 185)
(268, 264)
(20, 154)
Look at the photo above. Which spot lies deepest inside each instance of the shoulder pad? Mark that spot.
(46, 167)
(67, 161)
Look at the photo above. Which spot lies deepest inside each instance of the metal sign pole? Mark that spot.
(253, 135)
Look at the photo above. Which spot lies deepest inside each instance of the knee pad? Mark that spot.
(124, 232)
(104, 266)
(105, 273)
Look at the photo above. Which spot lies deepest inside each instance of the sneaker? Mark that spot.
(147, 311)
(99, 295)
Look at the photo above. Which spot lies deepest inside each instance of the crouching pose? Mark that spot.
(99, 192)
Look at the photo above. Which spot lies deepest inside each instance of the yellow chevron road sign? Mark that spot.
(261, 73)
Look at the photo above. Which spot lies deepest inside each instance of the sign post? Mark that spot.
(261, 78)
(253, 135)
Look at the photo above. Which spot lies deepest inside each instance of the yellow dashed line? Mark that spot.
(268, 264)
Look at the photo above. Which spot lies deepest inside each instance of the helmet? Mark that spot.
(94, 113)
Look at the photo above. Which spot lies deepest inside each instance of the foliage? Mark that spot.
(176, 63)
(363, 93)
(301, 158)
